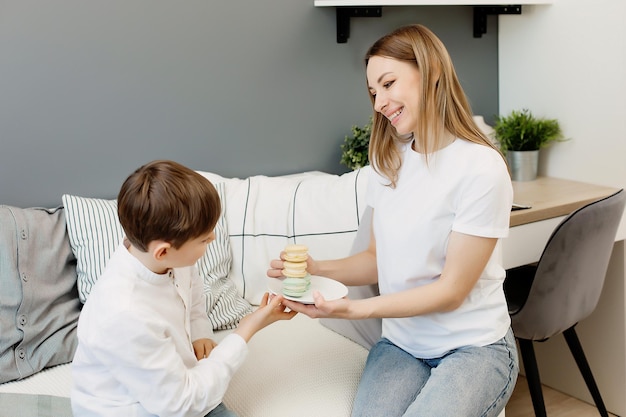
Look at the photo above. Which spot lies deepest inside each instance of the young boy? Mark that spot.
(145, 345)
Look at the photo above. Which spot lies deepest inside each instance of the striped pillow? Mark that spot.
(95, 233)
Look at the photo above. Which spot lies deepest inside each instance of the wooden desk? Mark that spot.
(553, 197)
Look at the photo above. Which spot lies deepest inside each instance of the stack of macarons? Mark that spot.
(297, 280)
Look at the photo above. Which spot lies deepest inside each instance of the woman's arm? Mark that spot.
(466, 259)
(358, 269)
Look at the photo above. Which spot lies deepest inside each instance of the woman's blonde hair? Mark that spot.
(443, 104)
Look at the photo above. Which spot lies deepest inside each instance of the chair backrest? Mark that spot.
(571, 271)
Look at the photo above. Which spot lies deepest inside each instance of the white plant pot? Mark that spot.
(523, 164)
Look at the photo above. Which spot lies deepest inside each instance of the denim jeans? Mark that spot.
(221, 411)
(467, 382)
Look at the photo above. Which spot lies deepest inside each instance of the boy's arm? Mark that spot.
(139, 353)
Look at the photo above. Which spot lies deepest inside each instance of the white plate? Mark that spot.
(329, 288)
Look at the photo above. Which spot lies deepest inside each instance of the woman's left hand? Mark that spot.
(322, 308)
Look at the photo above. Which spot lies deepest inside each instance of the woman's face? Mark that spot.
(395, 86)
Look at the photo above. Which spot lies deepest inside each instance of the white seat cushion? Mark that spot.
(297, 368)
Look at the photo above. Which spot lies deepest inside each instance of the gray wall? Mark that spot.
(90, 90)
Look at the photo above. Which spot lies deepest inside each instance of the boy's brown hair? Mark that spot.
(164, 200)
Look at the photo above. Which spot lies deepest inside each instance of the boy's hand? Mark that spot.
(268, 312)
(203, 347)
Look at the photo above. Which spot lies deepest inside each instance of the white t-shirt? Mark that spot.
(464, 188)
(135, 355)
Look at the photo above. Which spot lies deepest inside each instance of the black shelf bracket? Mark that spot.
(481, 13)
(345, 13)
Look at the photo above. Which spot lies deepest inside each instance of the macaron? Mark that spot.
(294, 287)
(296, 253)
(294, 269)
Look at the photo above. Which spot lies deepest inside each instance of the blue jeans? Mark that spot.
(466, 382)
(221, 411)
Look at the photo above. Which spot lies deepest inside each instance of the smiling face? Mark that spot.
(395, 88)
(417, 98)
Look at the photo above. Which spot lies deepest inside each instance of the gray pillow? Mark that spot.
(39, 304)
(364, 332)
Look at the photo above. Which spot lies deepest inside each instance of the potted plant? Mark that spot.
(520, 136)
(355, 148)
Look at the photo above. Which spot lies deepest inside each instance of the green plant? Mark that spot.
(355, 148)
(521, 131)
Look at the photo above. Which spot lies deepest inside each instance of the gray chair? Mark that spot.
(563, 288)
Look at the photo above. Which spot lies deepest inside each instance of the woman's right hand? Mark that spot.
(276, 266)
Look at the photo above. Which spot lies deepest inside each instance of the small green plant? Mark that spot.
(355, 148)
(521, 131)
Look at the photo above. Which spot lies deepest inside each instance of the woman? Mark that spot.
(441, 198)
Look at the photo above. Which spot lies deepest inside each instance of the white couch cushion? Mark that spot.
(264, 214)
(297, 368)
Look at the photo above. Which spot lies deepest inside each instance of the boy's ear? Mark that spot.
(159, 249)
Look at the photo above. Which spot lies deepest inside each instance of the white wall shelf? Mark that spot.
(346, 9)
(359, 3)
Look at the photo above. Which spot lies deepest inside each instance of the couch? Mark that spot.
(50, 259)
